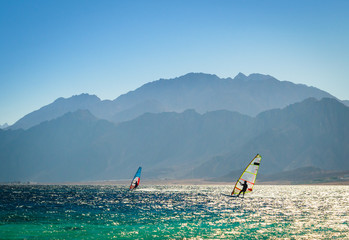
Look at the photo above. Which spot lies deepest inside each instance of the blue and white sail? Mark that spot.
(136, 179)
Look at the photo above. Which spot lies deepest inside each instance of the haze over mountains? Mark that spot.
(248, 95)
(77, 139)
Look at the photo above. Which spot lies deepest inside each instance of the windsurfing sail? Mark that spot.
(248, 176)
(136, 179)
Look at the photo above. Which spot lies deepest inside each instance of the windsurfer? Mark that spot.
(244, 188)
(136, 179)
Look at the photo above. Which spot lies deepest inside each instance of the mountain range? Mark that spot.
(302, 175)
(247, 95)
(79, 146)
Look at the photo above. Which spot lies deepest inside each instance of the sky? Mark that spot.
(60, 48)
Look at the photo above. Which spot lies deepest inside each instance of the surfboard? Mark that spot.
(231, 196)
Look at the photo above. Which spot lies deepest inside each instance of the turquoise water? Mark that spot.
(173, 212)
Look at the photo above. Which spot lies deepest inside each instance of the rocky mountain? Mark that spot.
(79, 147)
(310, 133)
(248, 95)
(54, 150)
(57, 109)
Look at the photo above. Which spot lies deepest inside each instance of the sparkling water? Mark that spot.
(173, 212)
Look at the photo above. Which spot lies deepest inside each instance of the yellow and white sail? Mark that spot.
(249, 175)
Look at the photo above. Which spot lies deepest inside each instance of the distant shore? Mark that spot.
(174, 182)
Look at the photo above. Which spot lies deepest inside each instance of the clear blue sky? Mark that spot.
(52, 49)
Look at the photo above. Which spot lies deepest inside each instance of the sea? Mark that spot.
(173, 212)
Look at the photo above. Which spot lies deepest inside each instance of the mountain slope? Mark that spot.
(248, 95)
(78, 146)
(165, 144)
(310, 133)
(346, 102)
(56, 109)
(56, 150)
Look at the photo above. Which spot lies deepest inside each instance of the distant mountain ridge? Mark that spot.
(310, 133)
(248, 95)
(57, 109)
(80, 147)
(303, 175)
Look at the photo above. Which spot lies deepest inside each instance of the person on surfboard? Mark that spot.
(244, 188)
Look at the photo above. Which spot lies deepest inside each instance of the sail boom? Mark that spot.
(247, 181)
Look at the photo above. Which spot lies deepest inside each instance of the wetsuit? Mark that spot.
(244, 188)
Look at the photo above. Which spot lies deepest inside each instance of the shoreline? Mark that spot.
(193, 182)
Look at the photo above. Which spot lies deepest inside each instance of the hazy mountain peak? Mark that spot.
(261, 77)
(188, 77)
(311, 102)
(197, 74)
(56, 109)
(203, 92)
(5, 125)
(308, 108)
(190, 112)
(240, 76)
(196, 77)
(81, 97)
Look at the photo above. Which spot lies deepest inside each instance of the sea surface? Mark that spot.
(173, 212)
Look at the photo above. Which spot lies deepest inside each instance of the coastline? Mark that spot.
(192, 182)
